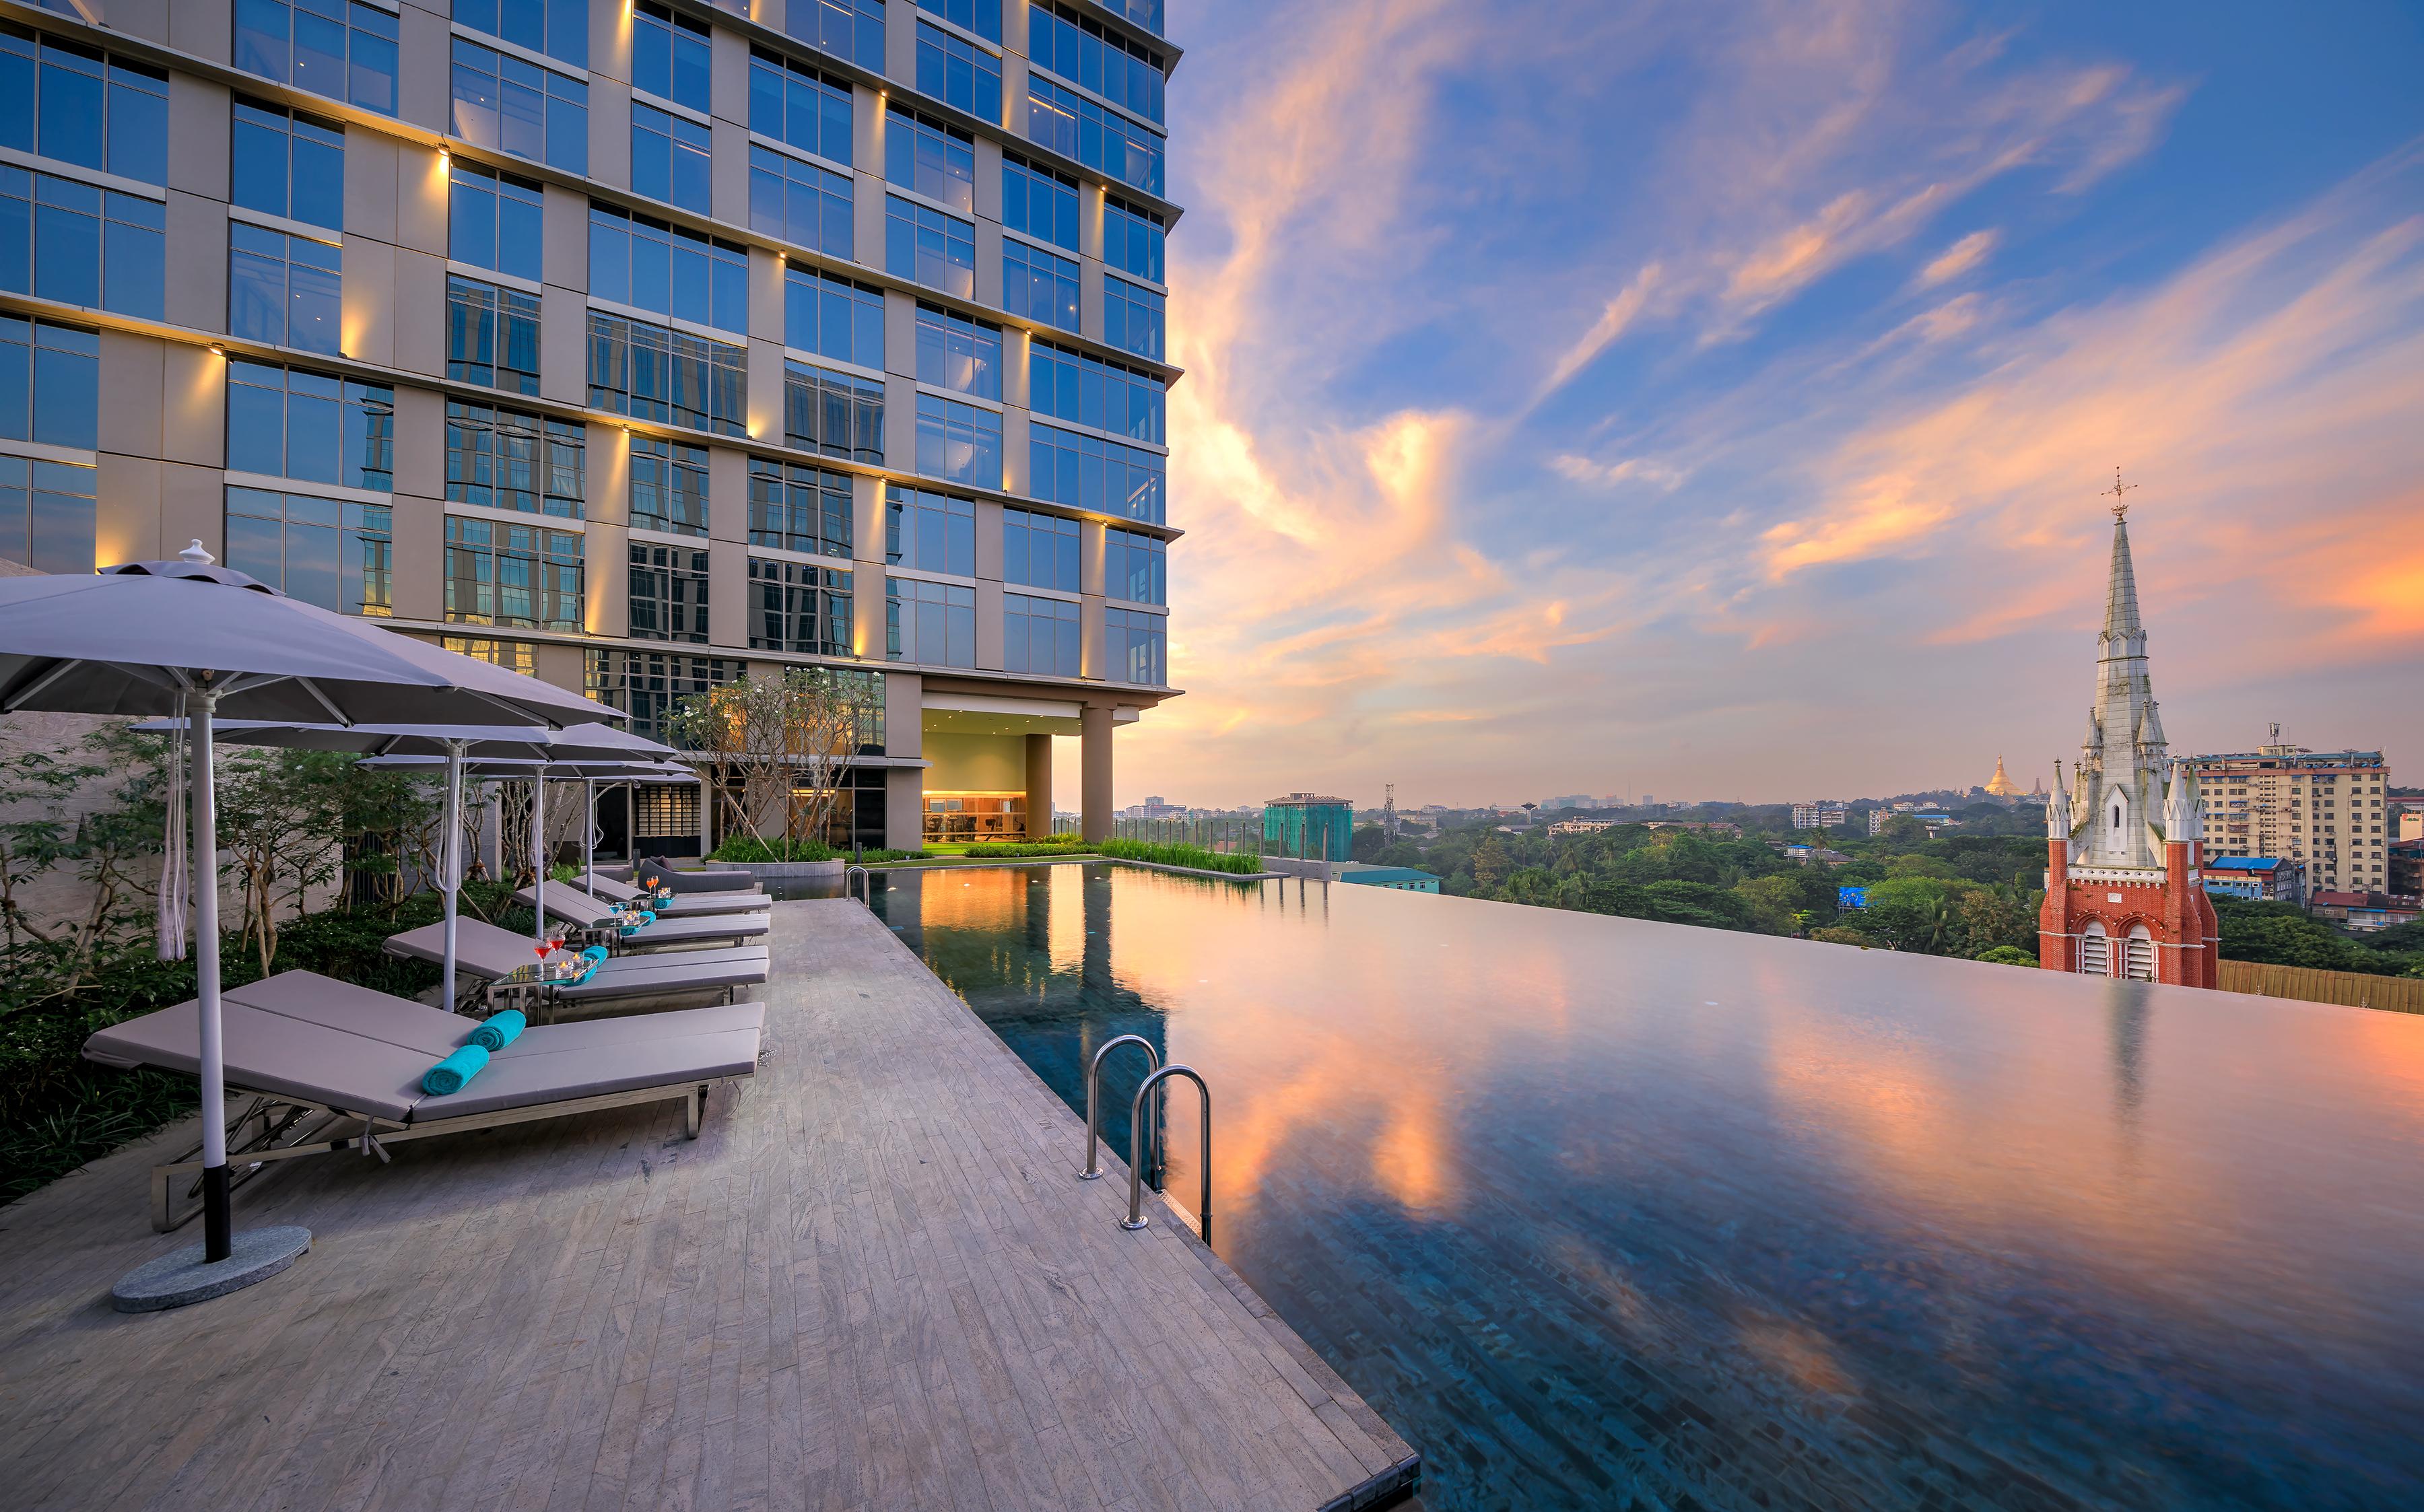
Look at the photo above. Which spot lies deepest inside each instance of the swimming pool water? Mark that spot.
(1603, 1212)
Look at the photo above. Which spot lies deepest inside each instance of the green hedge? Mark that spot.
(995, 851)
(1181, 855)
(750, 848)
(58, 1110)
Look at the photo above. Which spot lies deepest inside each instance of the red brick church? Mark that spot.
(2123, 837)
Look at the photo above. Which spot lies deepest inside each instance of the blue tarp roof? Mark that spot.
(2243, 863)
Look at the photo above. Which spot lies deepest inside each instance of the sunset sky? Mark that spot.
(1715, 406)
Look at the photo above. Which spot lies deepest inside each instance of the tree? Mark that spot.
(1368, 842)
(1910, 913)
(1489, 863)
(774, 746)
(1999, 917)
(2006, 955)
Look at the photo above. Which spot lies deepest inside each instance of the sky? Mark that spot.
(1712, 400)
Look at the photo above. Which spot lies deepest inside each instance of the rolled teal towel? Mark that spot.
(595, 952)
(500, 1030)
(449, 1075)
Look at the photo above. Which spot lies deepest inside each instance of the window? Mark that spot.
(506, 459)
(514, 656)
(82, 244)
(1039, 550)
(957, 352)
(1133, 238)
(491, 335)
(833, 317)
(50, 383)
(671, 158)
(958, 73)
(657, 266)
(795, 607)
(1135, 567)
(1039, 202)
(292, 423)
(505, 102)
(1136, 646)
(924, 155)
(1038, 636)
(500, 573)
(646, 685)
(1132, 318)
(668, 486)
(933, 623)
(982, 17)
(283, 290)
(1086, 52)
(332, 553)
(64, 101)
(800, 202)
(930, 532)
(1040, 285)
(833, 413)
(283, 162)
(652, 372)
(2094, 951)
(559, 28)
(799, 106)
(792, 508)
(668, 593)
(48, 514)
(669, 55)
(1074, 126)
(961, 442)
(933, 249)
(493, 220)
(340, 50)
(1087, 391)
(1145, 13)
(852, 29)
(1085, 473)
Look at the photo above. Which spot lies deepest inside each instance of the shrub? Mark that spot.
(1193, 856)
(2006, 955)
(992, 849)
(748, 848)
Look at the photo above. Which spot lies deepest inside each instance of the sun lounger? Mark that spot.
(606, 890)
(486, 951)
(333, 1066)
(697, 881)
(582, 911)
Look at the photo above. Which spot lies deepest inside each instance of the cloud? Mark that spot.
(1960, 258)
(1608, 474)
(1621, 313)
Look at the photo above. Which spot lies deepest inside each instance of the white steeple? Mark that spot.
(2121, 787)
(2058, 807)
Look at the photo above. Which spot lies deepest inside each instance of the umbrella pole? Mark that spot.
(538, 851)
(451, 866)
(218, 1227)
(588, 830)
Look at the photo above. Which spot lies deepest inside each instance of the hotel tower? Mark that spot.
(640, 345)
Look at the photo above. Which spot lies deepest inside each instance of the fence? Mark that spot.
(2353, 989)
(1231, 834)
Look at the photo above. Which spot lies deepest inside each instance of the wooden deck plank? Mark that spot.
(875, 1282)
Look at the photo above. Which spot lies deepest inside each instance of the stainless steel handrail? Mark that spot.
(1136, 1218)
(1093, 1097)
(862, 889)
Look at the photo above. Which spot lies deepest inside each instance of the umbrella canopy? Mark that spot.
(431, 743)
(187, 637)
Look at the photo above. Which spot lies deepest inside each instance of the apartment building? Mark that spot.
(635, 345)
(1819, 815)
(2323, 808)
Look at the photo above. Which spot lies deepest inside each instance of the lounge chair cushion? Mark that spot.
(676, 971)
(699, 882)
(581, 911)
(266, 1052)
(609, 891)
(533, 1069)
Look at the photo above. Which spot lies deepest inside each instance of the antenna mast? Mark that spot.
(1389, 811)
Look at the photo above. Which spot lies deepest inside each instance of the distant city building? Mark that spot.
(2407, 867)
(2365, 912)
(2124, 894)
(1999, 784)
(1877, 818)
(1397, 879)
(2257, 879)
(1815, 856)
(1646, 802)
(1821, 815)
(1704, 826)
(2325, 808)
(1309, 827)
(1571, 800)
(1580, 826)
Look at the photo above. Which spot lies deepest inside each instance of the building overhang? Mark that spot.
(946, 711)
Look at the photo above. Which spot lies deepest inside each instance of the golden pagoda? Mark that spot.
(2001, 785)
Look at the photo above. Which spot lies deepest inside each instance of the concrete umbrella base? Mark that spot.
(181, 1277)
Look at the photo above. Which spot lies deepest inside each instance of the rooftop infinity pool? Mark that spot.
(1600, 1213)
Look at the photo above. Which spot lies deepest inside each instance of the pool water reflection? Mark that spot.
(1603, 1213)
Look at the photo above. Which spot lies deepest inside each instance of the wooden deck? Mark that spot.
(873, 1282)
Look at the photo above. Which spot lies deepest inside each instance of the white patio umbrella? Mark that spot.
(187, 637)
(587, 771)
(454, 744)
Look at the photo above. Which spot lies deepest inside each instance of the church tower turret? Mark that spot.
(2125, 894)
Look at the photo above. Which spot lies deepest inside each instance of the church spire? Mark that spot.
(2123, 792)
(2121, 593)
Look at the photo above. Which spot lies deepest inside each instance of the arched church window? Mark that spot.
(2094, 951)
(2138, 956)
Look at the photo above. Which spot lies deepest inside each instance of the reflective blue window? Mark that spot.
(491, 335)
(1104, 140)
(797, 105)
(494, 220)
(833, 317)
(1040, 202)
(852, 29)
(957, 352)
(1088, 472)
(1038, 284)
(334, 552)
(669, 55)
(1084, 389)
(1097, 57)
(284, 290)
(668, 486)
(959, 442)
(930, 532)
(283, 162)
(50, 383)
(513, 105)
(61, 100)
(82, 244)
(654, 373)
(1038, 636)
(341, 49)
(958, 73)
(559, 28)
(1132, 318)
(1039, 550)
(48, 514)
(927, 157)
(833, 413)
(1136, 567)
(982, 17)
(292, 423)
(1133, 238)
(802, 203)
(671, 158)
(1137, 646)
(652, 266)
(923, 243)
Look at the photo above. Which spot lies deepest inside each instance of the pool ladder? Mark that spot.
(857, 882)
(1155, 1076)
